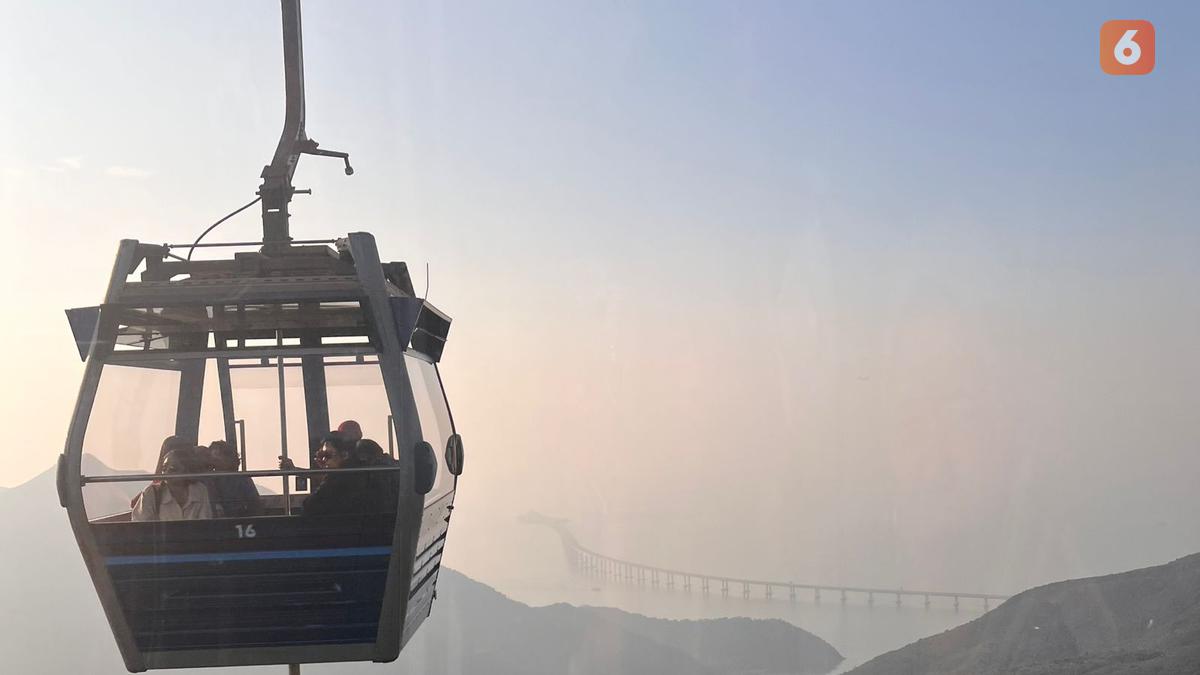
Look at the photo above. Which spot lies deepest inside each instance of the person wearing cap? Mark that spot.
(351, 431)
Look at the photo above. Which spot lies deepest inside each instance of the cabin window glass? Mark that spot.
(356, 392)
(137, 406)
(271, 427)
(435, 419)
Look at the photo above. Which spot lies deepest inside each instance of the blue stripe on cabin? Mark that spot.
(248, 555)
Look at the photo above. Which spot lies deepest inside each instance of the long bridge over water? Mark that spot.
(590, 563)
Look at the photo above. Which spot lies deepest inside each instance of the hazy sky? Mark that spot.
(891, 293)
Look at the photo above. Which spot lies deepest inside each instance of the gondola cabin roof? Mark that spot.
(254, 299)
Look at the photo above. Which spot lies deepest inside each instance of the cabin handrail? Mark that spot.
(264, 473)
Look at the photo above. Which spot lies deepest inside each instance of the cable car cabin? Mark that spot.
(268, 351)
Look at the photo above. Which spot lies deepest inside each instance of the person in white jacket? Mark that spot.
(174, 499)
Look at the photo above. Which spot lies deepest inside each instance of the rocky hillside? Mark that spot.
(1136, 623)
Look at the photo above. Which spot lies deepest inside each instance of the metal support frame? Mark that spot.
(76, 511)
(316, 397)
(276, 189)
(191, 389)
(241, 440)
(408, 434)
(283, 448)
(140, 356)
(391, 429)
(228, 418)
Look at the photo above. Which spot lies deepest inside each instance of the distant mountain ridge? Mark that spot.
(504, 637)
(52, 623)
(1143, 622)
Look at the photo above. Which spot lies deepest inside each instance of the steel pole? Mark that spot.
(287, 499)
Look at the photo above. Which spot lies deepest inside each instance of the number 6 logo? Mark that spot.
(1127, 52)
(1127, 47)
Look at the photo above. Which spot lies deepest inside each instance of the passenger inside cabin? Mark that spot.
(384, 487)
(334, 452)
(175, 498)
(339, 493)
(328, 456)
(232, 496)
(169, 443)
(368, 453)
(350, 430)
